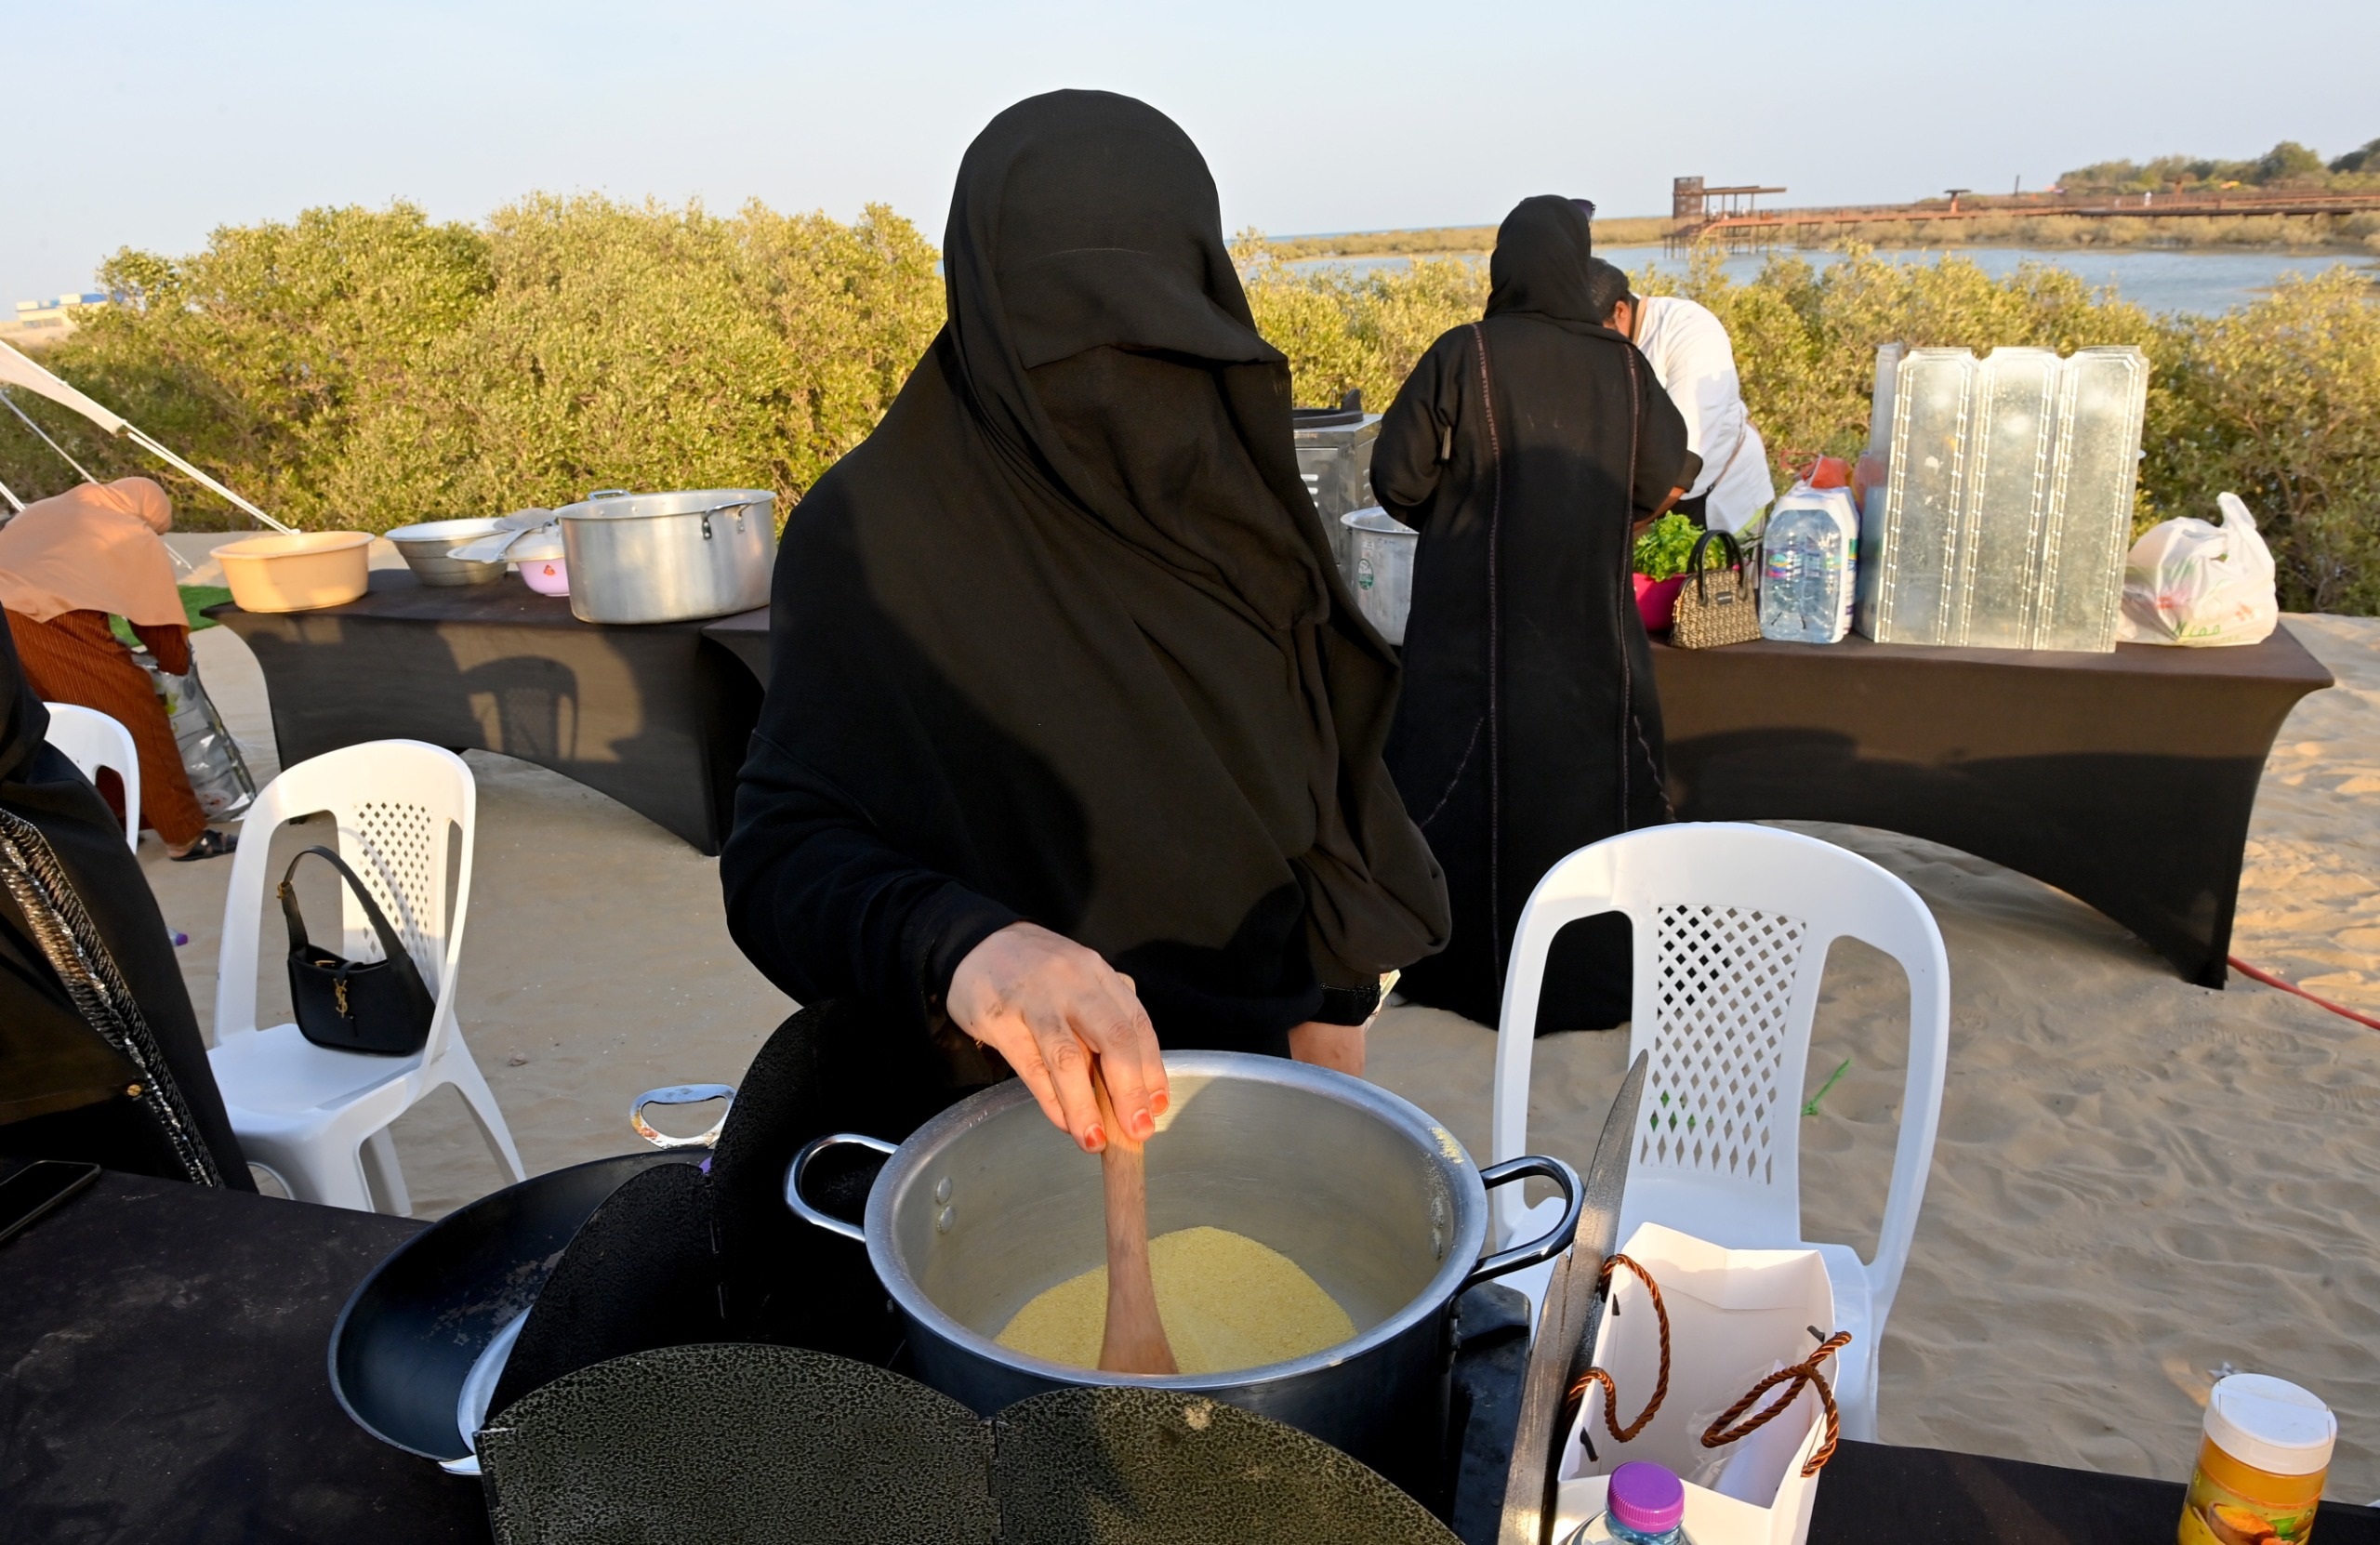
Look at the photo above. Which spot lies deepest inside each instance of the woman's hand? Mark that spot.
(1331, 1046)
(1049, 1006)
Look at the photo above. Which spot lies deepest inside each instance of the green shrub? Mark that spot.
(368, 368)
(2278, 402)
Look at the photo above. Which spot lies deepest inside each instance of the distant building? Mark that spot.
(40, 321)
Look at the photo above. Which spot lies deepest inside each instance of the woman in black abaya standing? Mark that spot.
(1525, 447)
(1073, 739)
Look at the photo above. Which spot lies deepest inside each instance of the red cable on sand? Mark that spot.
(2271, 981)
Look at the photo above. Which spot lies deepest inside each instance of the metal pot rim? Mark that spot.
(622, 507)
(1428, 1134)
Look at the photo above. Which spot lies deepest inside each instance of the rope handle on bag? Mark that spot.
(1612, 1390)
(1803, 1373)
(1719, 1434)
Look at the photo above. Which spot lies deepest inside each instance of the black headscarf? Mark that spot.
(137, 1096)
(1541, 263)
(1065, 629)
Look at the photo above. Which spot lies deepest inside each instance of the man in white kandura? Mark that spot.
(1696, 364)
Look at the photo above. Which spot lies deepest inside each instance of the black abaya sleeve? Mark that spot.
(1662, 453)
(1407, 462)
(827, 909)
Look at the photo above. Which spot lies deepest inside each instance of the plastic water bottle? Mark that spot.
(1802, 586)
(1645, 1506)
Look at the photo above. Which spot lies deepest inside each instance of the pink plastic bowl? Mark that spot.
(1657, 600)
(547, 576)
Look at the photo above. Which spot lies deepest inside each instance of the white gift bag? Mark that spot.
(2198, 585)
(1736, 1317)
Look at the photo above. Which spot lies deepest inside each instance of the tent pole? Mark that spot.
(44, 436)
(8, 494)
(133, 434)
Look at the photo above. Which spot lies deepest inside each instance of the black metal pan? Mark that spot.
(410, 1334)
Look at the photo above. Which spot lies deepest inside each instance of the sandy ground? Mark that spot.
(2138, 1182)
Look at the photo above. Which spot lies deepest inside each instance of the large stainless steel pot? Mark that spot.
(989, 1204)
(670, 557)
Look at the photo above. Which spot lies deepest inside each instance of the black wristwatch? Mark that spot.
(1348, 1005)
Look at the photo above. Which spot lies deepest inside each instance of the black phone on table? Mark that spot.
(31, 1192)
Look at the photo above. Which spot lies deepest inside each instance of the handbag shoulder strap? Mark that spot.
(1734, 554)
(400, 959)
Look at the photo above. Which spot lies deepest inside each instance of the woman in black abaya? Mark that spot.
(1072, 744)
(1524, 448)
(100, 1058)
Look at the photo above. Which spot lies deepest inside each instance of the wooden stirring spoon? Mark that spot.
(1134, 1340)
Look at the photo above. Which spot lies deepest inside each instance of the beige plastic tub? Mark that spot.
(297, 573)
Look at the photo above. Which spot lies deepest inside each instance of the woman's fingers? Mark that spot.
(1069, 1064)
(1118, 1029)
(1050, 1006)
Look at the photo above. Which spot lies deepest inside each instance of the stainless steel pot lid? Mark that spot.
(610, 506)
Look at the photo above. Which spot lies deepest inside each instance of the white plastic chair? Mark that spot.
(317, 1117)
(1731, 925)
(92, 740)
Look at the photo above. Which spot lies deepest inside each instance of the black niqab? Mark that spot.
(1063, 640)
(65, 1093)
(1523, 447)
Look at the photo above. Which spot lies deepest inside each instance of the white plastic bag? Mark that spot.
(2198, 585)
(1733, 1316)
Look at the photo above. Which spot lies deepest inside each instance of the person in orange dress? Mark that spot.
(66, 564)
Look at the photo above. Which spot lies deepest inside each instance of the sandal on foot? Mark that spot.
(210, 844)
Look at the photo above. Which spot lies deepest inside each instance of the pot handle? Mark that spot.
(832, 1224)
(1555, 1240)
(680, 1094)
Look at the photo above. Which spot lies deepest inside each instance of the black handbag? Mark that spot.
(380, 1007)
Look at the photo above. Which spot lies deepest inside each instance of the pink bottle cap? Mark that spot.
(1647, 1499)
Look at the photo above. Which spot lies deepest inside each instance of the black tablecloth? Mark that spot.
(2126, 780)
(656, 715)
(162, 1380)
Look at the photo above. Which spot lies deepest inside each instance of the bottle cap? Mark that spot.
(2271, 1424)
(1647, 1499)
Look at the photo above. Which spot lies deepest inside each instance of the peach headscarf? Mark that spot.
(92, 548)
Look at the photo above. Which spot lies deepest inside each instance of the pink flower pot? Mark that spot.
(1657, 600)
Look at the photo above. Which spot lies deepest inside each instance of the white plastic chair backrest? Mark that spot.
(1731, 926)
(392, 802)
(92, 740)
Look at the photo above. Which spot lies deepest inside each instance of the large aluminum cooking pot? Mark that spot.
(670, 557)
(989, 1204)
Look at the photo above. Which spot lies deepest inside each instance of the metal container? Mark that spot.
(670, 557)
(989, 1204)
(1381, 550)
(1334, 448)
(427, 549)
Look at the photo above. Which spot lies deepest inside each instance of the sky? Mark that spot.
(147, 125)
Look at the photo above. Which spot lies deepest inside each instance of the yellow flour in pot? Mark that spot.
(1228, 1303)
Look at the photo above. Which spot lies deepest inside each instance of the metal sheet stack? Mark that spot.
(2005, 509)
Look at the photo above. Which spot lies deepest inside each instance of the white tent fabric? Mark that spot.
(17, 370)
